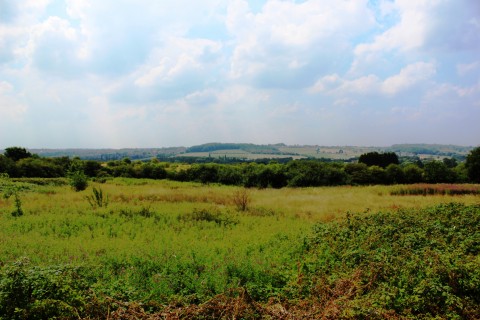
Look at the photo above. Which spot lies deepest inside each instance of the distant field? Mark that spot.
(239, 154)
(337, 153)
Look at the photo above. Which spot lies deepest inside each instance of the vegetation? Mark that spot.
(249, 147)
(414, 264)
(473, 165)
(372, 168)
(98, 199)
(379, 159)
(164, 248)
(10, 189)
(439, 189)
(78, 180)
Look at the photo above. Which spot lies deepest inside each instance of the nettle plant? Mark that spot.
(9, 190)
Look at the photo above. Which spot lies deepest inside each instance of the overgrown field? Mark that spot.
(164, 249)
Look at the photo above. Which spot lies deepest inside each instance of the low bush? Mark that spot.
(78, 180)
(211, 215)
(412, 263)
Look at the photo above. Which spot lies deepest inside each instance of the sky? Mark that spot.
(147, 73)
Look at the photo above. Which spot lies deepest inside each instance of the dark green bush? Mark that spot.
(78, 180)
(414, 263)
(28, 292)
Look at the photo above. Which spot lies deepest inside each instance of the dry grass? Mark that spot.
(310, 204)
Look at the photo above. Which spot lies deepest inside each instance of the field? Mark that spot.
(164, 244)
(239, 154)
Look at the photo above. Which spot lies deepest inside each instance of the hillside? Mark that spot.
(250, 151)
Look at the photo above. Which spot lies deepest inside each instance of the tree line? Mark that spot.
(372, 168)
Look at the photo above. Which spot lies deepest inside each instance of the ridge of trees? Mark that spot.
(249, 147)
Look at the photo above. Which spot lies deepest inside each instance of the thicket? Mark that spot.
(373, 169)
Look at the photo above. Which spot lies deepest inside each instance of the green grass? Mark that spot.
(158, 242)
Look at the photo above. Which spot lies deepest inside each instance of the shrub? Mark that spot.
(78, 180)
(28, 292)
(9, 190)
(420, 264)
(209, 216)
(241, 199)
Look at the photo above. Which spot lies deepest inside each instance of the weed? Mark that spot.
(241, 199)
(10, 189)
(97, 198)
(209, 216)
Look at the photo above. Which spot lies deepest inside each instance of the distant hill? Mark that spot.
(248, 147)
(433, 149)
(111, 154)
(250, 151)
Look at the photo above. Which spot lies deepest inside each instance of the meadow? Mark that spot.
(146, 246)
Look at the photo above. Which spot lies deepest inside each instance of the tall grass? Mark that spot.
(437, 189)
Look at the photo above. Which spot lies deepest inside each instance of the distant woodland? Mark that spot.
(368, 169)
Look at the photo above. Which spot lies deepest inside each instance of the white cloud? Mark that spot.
(10, 106)
(56, 48)
(466, 68)
(408, 34)
(178, 59)
(408, 77)
(287, 34)
(424, 27)
(364, 85)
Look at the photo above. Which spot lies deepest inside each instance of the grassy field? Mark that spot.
(157, 242)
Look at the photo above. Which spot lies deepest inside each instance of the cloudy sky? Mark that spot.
(148, 73)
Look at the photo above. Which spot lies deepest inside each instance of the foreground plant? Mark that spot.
(12, 190)
(97, 198)
(241, 199)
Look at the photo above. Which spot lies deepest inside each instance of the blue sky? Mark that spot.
(145, 73)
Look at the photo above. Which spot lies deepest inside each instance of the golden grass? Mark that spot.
(310, 204)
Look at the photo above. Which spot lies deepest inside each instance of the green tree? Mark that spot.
(395, 174)
(437, 172)
(39, 168)
(379, 159)
(413, 173)
(17, 153)
(6, 165)
(473, 165)
(358, 173)
(450, 162)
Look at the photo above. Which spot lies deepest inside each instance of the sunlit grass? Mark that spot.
(60, 225)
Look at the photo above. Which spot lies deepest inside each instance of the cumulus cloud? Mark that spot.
(466, 68)
(408, 77)
(423, 27)
(289, 44)
(56, 48)
(11, 108)
(133, 71)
